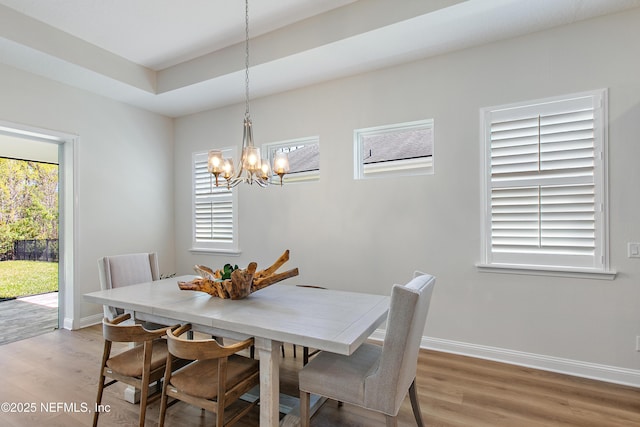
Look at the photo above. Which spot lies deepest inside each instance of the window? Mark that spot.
(545, 192)
(304, 158)
(215, 225)
(400, 149)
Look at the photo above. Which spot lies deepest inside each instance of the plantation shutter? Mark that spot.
(214, 225)
(545, 163)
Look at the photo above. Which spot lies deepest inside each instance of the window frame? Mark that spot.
(268, 152)
(405, 167)
(522, 263)
(230, 247)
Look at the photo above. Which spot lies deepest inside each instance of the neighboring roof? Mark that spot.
(407, 144)
(305, 159)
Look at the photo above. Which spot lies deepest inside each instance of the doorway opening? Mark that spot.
(39, 153)
(28, 246)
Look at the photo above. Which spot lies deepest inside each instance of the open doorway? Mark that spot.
(41, 152)
(28, 245)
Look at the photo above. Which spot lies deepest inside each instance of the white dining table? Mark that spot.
(324, 319)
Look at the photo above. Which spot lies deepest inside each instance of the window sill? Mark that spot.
(230, 252)
(546, 271)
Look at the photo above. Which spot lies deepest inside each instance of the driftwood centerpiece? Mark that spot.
(242, 282)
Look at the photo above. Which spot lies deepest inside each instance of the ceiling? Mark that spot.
(176, 58)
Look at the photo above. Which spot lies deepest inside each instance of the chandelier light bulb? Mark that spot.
(215, 161)
(227, 168)
(281, 163)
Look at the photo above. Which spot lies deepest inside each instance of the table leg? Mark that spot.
(131, 394)
(269, 354)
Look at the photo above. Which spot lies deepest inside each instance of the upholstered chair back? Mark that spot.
(386, 388)
(124, 270)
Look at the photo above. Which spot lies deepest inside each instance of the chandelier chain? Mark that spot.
(246, 68)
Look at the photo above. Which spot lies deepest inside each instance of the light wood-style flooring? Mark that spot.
(58, 371)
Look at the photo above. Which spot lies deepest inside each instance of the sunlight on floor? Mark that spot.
(47, 300)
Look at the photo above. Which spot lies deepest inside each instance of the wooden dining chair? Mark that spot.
(376, 377)
(139, 366)
(217, 378)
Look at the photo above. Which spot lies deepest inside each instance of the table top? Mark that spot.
(331, 320)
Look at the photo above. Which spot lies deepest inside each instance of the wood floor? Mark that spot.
(28, 316)
(55, 374)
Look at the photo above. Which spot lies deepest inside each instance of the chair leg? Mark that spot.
(415, 403)
(221, 399)
(98, 400)
(391, 421)
(144, 393)
(165, 398)
(306, 354)
(146, 373)
(220, 417)
(105, 356)
(304, 409)
(163, 406)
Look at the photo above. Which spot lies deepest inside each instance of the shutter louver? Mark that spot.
(213, 220)
(549, 220)
(542, 182)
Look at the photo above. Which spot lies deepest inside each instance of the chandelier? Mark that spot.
(251, 168)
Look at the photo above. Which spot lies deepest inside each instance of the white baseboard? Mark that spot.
(67, 323)
(612, 374)
(94, 319)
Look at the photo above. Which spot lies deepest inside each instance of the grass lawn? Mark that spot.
(19, 278)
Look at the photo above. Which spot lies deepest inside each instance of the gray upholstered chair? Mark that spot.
(376, 377)
(124, 270)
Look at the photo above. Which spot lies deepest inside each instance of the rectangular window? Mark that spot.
(400, 149)
(545, 184)
(304, 158)
(215, 224)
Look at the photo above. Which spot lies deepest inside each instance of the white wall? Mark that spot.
(124, 172)
(366, 235)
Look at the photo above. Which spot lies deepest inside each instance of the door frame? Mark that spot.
(67, 207)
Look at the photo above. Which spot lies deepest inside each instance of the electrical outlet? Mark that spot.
(633, 250)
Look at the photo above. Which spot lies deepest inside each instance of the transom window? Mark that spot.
(304, 158)
(399, 149)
